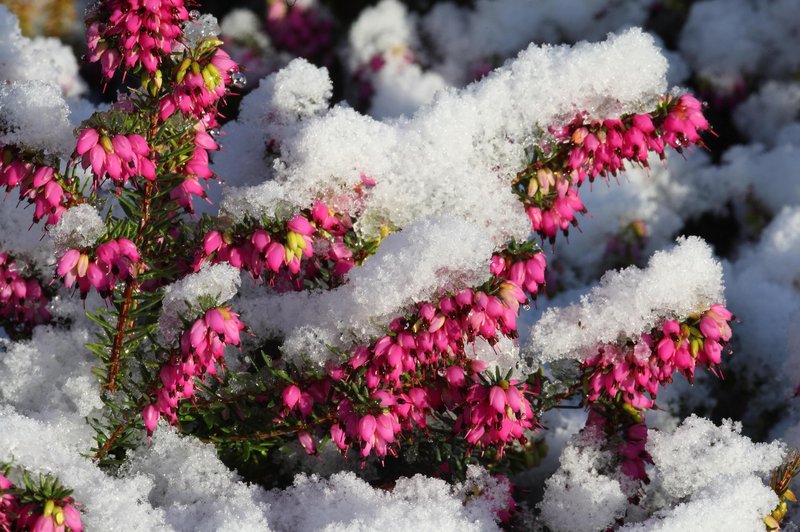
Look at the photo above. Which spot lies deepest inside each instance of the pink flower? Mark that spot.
(307, 441)
(150, 417)
(134, 33)
(291, 395)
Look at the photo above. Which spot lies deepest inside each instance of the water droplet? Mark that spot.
(441, 372)
(526, 306)
(214, 132)
(239, 80)
(194, 14)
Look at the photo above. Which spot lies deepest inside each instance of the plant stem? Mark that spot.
(123, 323)
(272, 434)
(112, 439)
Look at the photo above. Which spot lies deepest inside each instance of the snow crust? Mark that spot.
(80, 226)
(629, 302)
(578, 497)
(699, 452)
(348, 504)
(411, 266)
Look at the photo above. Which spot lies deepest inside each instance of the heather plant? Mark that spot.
(359, 284)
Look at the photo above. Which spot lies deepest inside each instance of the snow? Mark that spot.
(34, 114)
(699, 452)
(410, 266)
(79, 227)
(728, 503)
(578, 496)
(348, 504)
(629, 302)
(43, 59)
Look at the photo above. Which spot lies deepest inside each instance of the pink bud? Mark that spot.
(299, 224)
(260, 239)
(291, 394)
(498, 265)
(320, 212)
(122, 147)
(366, 427)
(43, 524)
(212, 242)
(338, 436)
(497, 398)
(360, 357)
(87, 139)
(307, 442)
(150, 417)
(42, 175)
(128, 249)
(709, 328)
(275, 256)
(68, 261)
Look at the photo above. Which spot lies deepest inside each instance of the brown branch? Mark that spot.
(123, 323)
(119, 338)
(112, 439)
(273, 434)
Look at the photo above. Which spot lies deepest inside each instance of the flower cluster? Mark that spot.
(601, 148)
(118, 157)
(634, 371)
(587, 149)
(38, 184)
(202, 348)
(286, 247)
(114, 262)
(303, 31)
(133, 34)
(23, 303)
(422, 365)
(627, 440)
(496, 415)
(199, 84)
(196, 168)
(525, 273)
(43, 508)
